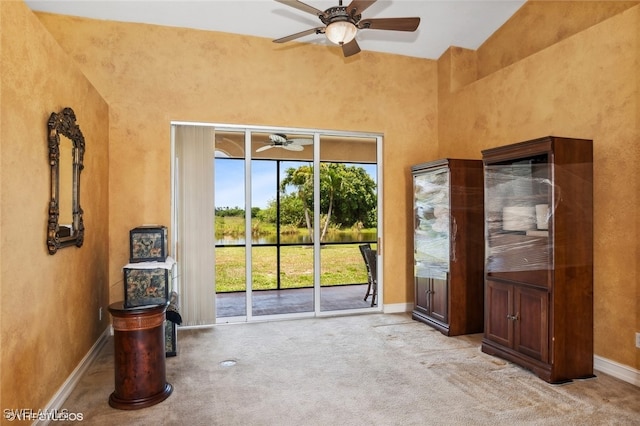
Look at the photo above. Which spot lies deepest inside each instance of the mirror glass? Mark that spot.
(65, 202)
(66, 153)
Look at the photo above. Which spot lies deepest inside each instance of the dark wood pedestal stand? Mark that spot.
(139, 355)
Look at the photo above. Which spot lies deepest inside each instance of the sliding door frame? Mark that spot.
(248, 130)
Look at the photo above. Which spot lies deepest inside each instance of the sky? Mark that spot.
(229, 178)
(229, 190)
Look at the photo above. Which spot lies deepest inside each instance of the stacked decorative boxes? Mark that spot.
(150, 275)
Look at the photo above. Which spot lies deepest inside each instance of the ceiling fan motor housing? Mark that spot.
(338, 13)
(278, 138)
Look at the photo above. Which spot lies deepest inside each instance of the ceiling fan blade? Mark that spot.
(301, 141)
(302, 6)
(393, 24)
(264, 148)
(318, 30)
(292, 147)
(358, 6)
(350, 48)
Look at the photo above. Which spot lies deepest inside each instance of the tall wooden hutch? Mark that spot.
(539, 256)
(448, 245)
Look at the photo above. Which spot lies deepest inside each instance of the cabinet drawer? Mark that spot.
(541, 279)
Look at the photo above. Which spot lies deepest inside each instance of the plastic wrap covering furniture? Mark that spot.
(432, 239)
(510, 253)
(517, 217)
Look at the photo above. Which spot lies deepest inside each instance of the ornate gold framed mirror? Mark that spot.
(66, 154)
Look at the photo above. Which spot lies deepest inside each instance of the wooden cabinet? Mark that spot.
(432, 300)
(526, 331)
(139, 356)
(539, 256)
(448, 245)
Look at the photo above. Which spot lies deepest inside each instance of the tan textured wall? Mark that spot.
(457, 67)
(151, 75)
(586, 86)
(48, 304)
(539, 24)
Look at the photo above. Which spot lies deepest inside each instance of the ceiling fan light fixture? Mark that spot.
(341, 32)
(342, 23)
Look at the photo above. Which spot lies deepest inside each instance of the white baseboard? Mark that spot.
(397, 308)
(617, 370)
(65, 390)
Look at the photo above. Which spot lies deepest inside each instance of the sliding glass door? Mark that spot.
(230, 223)
(282, 248)
(348, 219)
(291, 208)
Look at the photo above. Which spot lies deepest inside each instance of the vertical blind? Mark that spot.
(194, 148)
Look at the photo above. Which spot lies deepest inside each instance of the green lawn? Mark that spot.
(340, 264)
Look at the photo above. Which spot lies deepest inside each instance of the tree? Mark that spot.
(291, 211)
(302, 179)
(330, 184)
(229, 211)
(357, 200)
(347, 194)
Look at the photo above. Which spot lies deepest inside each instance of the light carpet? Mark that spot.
(376, 369)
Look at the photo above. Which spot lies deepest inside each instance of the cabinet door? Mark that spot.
(498, 310)
(531, 335)
(422, 294)
(518, 243)
(439, 302)
(431, 224)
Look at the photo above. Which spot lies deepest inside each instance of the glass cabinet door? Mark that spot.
(518, 212)
(448, 245)
(431, 224)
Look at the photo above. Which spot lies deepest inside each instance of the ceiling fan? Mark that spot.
(279, 140)
(343, 22)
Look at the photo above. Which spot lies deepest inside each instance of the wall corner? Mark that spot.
(457, 67)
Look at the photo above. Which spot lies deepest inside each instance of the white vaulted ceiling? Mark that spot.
(444, 23)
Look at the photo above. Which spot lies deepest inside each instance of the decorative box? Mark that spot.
(147, 283)
(148, 244)
(170, 339)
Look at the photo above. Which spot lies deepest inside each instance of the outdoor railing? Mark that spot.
(287, 266)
